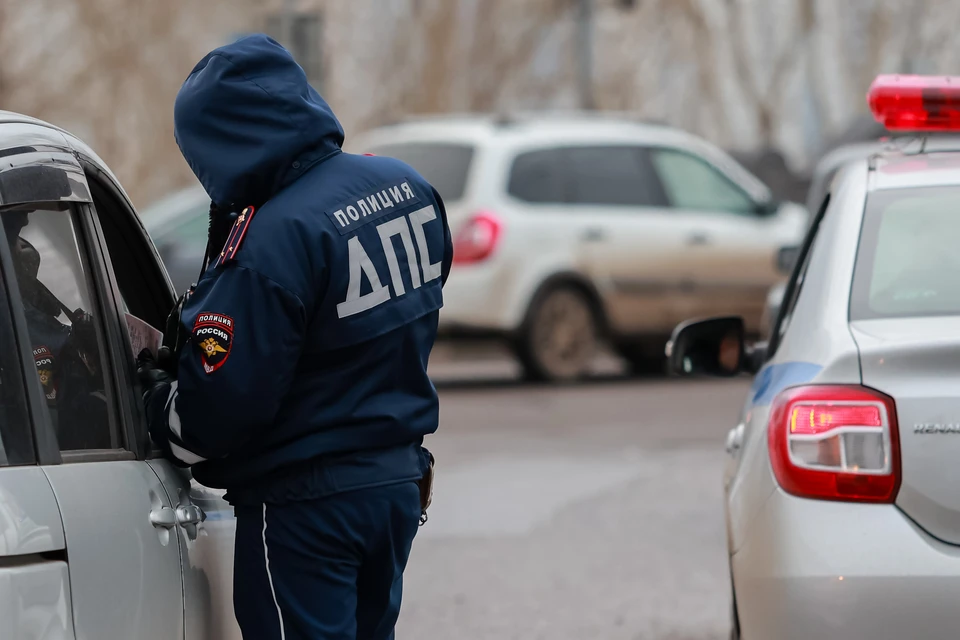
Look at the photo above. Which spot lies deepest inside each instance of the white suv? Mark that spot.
(572, 229)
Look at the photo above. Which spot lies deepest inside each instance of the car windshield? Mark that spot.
(907, 263)
(444, 165)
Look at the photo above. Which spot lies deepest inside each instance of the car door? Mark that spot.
(123, 561)
(34, 580)
(624, 237)
(730, 240)
(205, 522)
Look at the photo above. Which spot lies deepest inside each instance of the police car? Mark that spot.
(99, 536)
(841, 491)
(570, 228)
(823, 174)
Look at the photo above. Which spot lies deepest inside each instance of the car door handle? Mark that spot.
(163, 518)
(735, 439)
(594, 235)
(189, 516)
(698, 239)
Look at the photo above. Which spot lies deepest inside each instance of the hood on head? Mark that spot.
(248, 123)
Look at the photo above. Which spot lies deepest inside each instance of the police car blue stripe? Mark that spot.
(774, 378)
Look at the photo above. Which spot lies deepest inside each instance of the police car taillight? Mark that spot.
(477, 239)
(916, 103)
(835, 442)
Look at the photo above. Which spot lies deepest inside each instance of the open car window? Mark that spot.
(141, 283)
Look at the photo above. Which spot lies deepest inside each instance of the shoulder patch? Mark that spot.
(46, 364)
(237, 233)
(376, 203)
(213, 335)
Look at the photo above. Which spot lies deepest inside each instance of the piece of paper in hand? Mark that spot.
(142, 336)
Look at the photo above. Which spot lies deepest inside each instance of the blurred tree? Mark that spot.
(747, 74)
(108, 71)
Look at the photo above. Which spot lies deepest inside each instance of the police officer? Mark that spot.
(301, 384)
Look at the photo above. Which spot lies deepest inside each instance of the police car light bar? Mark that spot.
(916, 103)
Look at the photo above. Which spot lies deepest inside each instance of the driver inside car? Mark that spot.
(66, 356)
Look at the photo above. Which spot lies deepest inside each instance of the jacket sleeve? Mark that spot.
(246, 334)
(447, 240)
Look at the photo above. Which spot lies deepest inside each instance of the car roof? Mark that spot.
(55, 135)
(11, 117)
(836, 158)
(551, 127)
(916, 163)
(480, 128)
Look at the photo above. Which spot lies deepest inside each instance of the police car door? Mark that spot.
(200, 520)
(123, 563)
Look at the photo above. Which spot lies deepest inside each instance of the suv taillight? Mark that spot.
(835, 442)
(477, 238)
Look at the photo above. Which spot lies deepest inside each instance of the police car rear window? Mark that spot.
(444, 165)
(907, 262)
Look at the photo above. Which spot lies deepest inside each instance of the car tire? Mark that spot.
(559, 337)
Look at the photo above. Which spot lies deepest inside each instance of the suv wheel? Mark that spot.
(559, 337)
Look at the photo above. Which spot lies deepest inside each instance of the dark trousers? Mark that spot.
(326, 569)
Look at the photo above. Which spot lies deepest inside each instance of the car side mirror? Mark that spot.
(714, 347)
(786, 259)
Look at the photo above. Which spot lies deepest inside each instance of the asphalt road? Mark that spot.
(584, 512)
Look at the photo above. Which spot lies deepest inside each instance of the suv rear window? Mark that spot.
(907, 262)
(444, 165)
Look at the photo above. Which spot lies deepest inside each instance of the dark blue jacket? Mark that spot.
(306, 370)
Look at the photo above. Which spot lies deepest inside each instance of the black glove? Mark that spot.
(155, 381)
(83, 335)
(154, 373)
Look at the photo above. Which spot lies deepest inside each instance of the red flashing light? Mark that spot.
(835, 442)
(477, 239)
(916, 103)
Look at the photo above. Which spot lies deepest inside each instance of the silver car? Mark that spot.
(843, 484)
(99, 536)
